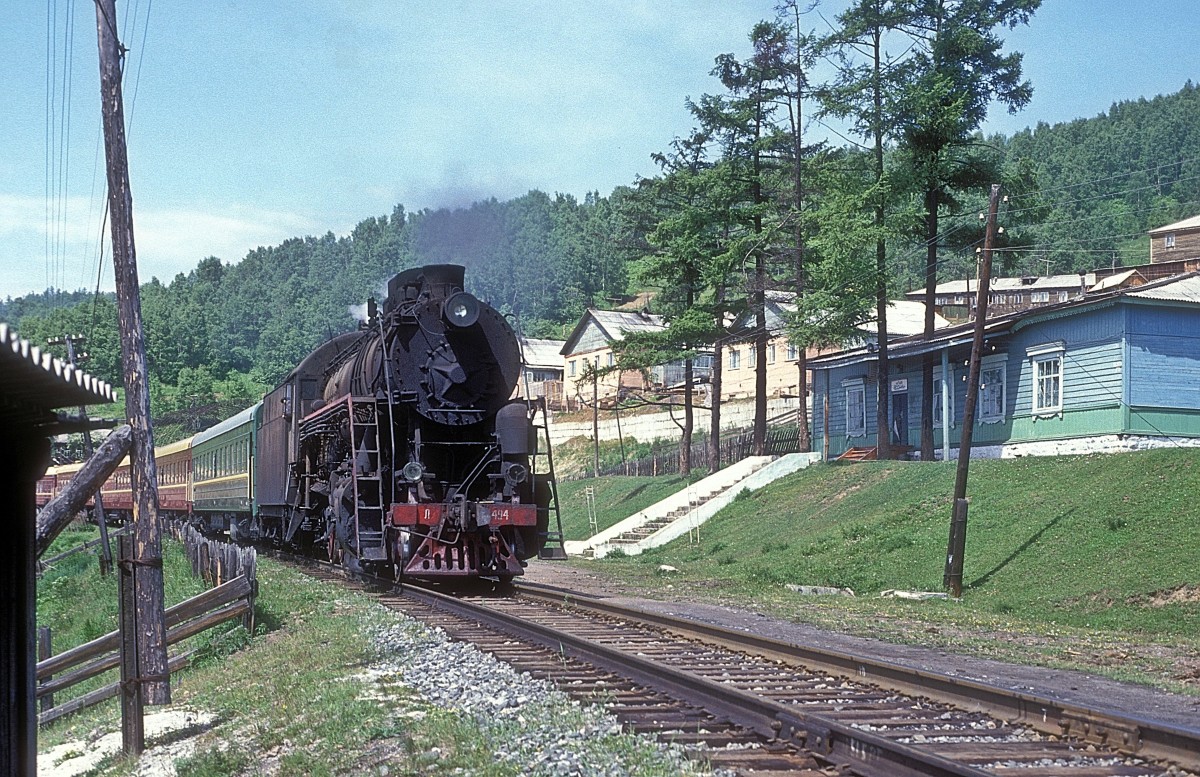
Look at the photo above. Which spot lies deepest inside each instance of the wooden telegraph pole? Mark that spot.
(952, 578)
(153, 676)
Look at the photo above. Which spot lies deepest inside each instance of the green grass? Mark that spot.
(295, 698)
(79, 604)
(617, 498)
(1080, 548)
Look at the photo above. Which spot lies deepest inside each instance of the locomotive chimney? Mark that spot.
(435, 281)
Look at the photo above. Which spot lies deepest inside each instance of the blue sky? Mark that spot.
(254, 122)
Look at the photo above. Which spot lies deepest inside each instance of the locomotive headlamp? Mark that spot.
(515, 474)
(412, 471)
(462, 309)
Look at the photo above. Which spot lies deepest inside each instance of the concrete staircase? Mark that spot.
(688, 509)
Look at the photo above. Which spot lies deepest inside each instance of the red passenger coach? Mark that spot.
(46, 488)
(174, 463)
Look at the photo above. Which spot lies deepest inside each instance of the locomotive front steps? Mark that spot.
(688, 509)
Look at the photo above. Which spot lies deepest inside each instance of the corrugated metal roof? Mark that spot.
(906, 318)
(1112, 281)
(1184, 289)
(1190, 223)
(542, 353)
(618, 323)
(34, 382)
(1040, 283)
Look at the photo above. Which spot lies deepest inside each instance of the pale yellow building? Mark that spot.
(591, 342)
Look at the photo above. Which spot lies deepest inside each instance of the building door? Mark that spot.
(899, 417)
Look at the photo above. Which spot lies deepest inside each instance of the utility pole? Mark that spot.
(75, 358)
(952, 577)
(153, 675)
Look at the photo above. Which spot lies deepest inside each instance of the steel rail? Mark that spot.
(866, 753)
(1130, 734)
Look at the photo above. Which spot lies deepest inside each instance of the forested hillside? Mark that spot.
(230, 328)
(220, 335)
(1103, 182)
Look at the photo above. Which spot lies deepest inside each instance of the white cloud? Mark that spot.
(168, 241)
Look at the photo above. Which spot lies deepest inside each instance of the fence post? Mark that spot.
(133, 735)
(45, 652)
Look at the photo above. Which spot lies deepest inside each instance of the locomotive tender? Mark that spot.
(396, 447)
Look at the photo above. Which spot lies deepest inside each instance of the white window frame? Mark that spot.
(770, 353)
(793, 353)
(752, 356)
(1041, 357)
(735, 358)
(1039, 296)
(991, 365)
(1169, 240)
(937, 400)
(572, 368)
(855, 387)
(610, 358)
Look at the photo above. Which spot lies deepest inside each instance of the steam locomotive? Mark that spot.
(395, 448)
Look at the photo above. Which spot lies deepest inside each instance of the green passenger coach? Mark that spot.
(222, 471)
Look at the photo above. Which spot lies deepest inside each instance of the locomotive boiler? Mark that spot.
(400, 447)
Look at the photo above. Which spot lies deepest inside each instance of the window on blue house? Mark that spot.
(992, 389)
(856, 408)
(1047, 363)
(938, 415)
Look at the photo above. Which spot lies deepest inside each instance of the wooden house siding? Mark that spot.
(839, 442)
(1165, 358)
(1129, 365)
(1187, 245)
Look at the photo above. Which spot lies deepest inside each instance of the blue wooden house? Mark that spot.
(1118, 370)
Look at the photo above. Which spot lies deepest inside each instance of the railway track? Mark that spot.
(759, 706)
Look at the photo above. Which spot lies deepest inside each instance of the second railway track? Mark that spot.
(760, 706)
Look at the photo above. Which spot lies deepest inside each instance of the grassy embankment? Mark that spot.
(1085, 561)
(297, 697)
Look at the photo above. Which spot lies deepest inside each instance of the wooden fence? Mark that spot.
(232, 569)
(215, 560)
(779, 440)
(43, 564)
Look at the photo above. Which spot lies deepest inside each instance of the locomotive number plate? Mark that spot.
(505, 515)
(414, 515)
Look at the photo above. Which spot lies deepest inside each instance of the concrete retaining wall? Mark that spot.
(654, 426)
